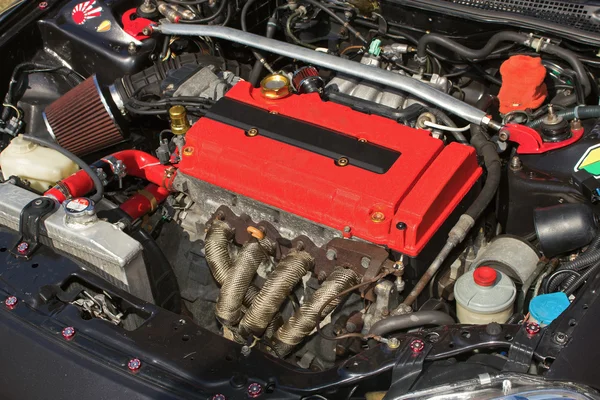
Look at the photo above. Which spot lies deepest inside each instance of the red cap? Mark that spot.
(485, 276)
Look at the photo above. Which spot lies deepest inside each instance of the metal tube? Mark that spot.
(415, 87)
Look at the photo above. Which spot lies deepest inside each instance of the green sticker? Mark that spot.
(590, 161)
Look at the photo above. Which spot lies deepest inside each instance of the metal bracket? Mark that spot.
(522, 348)
(30, 224)
(409, 366)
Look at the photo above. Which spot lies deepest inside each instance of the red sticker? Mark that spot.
(84, 11)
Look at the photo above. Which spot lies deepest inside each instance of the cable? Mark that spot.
(210, 18)
(446, 128)
(82, 164)
(546, 286)
(255, 73)
(420, 318)
(338, 19)
(289, 33)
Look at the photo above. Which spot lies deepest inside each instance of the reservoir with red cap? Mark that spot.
(484, 295)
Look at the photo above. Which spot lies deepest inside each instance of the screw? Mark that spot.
(11, 302)
(417, 345)
(147, 31)
(43, 5)
(132, 48)
(365, 262)
(342, 162)
(273, 112)
(255, 390)
(188, 151)
(560, 338)
(38, 202)
(532, 328)
(331, 254)
(378, 217)
(246, 351)
(68, 332)
(252, 132)
(401, 226)
(361, 140)
(503, 135)
(515, 163)
(347, 229)
(219, 396)
(322, 276)
(22, 247)
(393, 343)
(134, 364)
(399, 266)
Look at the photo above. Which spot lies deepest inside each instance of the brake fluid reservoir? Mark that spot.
(40, 166)
(484, 295)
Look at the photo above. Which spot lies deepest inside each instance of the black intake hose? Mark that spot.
(571, 287)
(591, 256)
(368, 107)
(486, 150)
(413, 320)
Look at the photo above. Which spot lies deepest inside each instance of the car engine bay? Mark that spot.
(389, 195)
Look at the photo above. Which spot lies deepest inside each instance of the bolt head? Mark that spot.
(22, 247)
(255, 389)
(393, 343)
(503, 135)
(401, 226)
(11, 302)
(68, 332)
(43, 5)
(417, 345)
(219, 396)
(532, 328)
(342, 162)
(134, 364)
(252, 132)
(377, 217)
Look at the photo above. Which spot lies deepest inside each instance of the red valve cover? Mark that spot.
(420, 189)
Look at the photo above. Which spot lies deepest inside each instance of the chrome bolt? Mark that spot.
(11, 302)
(393, 343)
(503, 135)
(255, 390)
(134, 364)
(68, 332)
(417, 345)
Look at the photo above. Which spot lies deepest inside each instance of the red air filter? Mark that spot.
(81, 120)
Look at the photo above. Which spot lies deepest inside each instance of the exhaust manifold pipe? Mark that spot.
(278, 286)
(306, 318)
(235, 287)
(216, 249)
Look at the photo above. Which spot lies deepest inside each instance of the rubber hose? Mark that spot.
(472, 54)
(583, 112)
(96, 197)
(231, 297)
(573, 286)
(258, 65)
(274, 292)
(413, 320)
(446, 120)
(577, 66)
(487, 150)
(407, 114)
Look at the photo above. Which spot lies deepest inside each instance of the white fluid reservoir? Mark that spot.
(40, 166)
(484, 295)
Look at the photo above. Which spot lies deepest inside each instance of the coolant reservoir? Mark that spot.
(40, 166)
(484, 295)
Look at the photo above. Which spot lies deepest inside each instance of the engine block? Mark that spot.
(360, 175)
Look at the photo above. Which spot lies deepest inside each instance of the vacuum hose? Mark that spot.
(306, 318)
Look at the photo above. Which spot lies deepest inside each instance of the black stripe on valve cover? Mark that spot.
(304, 135)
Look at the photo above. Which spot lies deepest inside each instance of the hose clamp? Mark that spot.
(151, 199)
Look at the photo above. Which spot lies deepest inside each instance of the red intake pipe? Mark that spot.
(136, 163)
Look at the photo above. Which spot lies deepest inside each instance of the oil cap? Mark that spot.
(80, 211)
